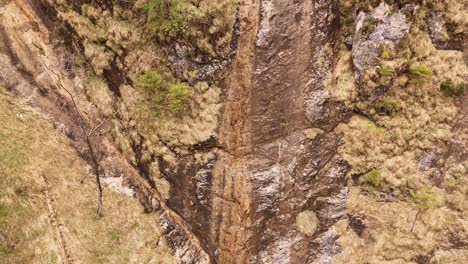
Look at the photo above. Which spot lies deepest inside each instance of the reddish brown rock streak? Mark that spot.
(269, 171)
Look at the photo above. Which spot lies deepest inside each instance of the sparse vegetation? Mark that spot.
(420, 73)
(206, 24)
(452, 90)
(346, 16)
(26, 235)
(170, 18)
(348, 8)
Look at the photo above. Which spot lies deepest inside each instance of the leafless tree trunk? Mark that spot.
(95, 161)
(85, 124)
(415, 218)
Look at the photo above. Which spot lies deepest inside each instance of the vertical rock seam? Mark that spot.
(230, 229)
(270, 172)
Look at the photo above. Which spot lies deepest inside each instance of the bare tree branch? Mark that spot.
(96, 128)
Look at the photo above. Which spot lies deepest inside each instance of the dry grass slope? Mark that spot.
(31, 151)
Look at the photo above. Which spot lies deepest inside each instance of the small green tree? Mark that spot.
(152, 81)
(154, 87)
(420, 73)
(178, 96)
(164, 96)
(424, 199)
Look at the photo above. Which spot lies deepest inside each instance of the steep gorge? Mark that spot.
(273, 158)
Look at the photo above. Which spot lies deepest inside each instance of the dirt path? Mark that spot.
(54, 221)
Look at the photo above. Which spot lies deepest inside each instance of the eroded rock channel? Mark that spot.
(271, 172)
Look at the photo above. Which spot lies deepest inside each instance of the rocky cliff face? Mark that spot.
(259, 131)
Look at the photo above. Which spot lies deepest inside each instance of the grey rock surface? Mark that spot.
(389, 28)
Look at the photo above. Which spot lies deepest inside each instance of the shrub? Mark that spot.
(420, 73)
(152, 81)
(388, 105)
(374, 178)
(161, 95)
(452, 90)
(177, 97)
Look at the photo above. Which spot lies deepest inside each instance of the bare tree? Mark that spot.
(88, 130)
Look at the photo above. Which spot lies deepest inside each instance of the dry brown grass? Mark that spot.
(30, 150)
